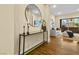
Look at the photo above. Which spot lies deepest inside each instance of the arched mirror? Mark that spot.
(33, 17)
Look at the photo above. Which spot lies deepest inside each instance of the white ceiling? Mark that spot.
(61, 9)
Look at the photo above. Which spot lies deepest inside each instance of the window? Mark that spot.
(70, 22)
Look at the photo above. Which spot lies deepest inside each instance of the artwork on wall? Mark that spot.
(37, 23)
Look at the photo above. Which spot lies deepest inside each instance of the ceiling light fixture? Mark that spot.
(59, 13)
(77, 9)
(54, 6)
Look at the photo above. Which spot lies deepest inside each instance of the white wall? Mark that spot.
(19, 21)
(6, 29)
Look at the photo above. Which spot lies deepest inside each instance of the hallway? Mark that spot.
(57, 47)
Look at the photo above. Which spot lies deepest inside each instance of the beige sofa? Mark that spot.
(75, 38)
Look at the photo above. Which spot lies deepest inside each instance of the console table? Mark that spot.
(24, 35)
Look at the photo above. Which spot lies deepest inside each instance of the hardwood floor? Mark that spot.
(57, 46)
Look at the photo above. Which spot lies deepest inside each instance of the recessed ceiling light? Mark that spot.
(54, 6)
(59, 13)
(77, 9)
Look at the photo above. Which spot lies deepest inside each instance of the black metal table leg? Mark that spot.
(19, 43)
(23, 43)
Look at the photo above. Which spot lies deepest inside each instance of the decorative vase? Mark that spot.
(27, 29)
(44, 25)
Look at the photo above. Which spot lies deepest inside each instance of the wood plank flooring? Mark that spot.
(57, 46)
